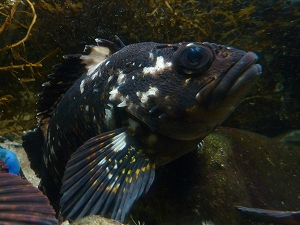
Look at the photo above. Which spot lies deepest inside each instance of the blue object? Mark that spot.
(11, 160)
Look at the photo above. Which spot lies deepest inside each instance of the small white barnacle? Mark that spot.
(87, 108)
(133, 77)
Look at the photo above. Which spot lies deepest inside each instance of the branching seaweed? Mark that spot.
(14, 61)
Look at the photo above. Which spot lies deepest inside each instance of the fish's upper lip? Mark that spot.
(243, 72)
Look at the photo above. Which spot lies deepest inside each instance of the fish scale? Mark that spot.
(118, 112)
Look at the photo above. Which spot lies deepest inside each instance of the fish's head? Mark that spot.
(185, 90)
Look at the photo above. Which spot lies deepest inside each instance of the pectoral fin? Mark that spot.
(272, 216)
(106, 176)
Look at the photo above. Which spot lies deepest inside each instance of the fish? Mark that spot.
(271, 216)
(11, 161)
(109, 117)
(21, 202)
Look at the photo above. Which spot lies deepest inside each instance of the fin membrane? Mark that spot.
(271, 216)
(106, 176)
(21, 203)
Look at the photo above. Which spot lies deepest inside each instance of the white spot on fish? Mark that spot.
(187, 81)
(132, 108)
(159, 66)
(107, 63)
(119, 142)
(109, 79)
(82, 83)
(151, 56)
(102, 161)
(144, 96)
(113, 183)
(93, 70)
(116, 165)
(87, 108)
(96, 74)
(121, 77)
(122, 104)
(108, 117)
(133, 124)
(114, 94)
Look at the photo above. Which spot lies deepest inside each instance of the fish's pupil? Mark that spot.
(193, 56)
(193, 59)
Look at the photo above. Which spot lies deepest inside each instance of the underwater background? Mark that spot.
(35, 34)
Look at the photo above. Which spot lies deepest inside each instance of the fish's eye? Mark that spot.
(193, 59)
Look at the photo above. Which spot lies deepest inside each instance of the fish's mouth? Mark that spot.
(227, 91)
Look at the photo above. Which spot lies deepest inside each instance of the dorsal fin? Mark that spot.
(67, 73)
(59, 82)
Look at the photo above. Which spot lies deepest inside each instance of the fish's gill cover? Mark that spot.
(21, 203)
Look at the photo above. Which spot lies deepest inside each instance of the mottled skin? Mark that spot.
(167, 107)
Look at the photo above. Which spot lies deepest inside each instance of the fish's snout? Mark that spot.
(239, 77)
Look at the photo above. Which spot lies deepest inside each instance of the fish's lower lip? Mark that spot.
(236, 81)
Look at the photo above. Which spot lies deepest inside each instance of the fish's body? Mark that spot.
(109, 118)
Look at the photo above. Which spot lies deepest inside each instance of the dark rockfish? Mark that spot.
(107, 119)
(20, 202)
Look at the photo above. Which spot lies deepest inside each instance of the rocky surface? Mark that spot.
(13, 142)
(232, 168)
